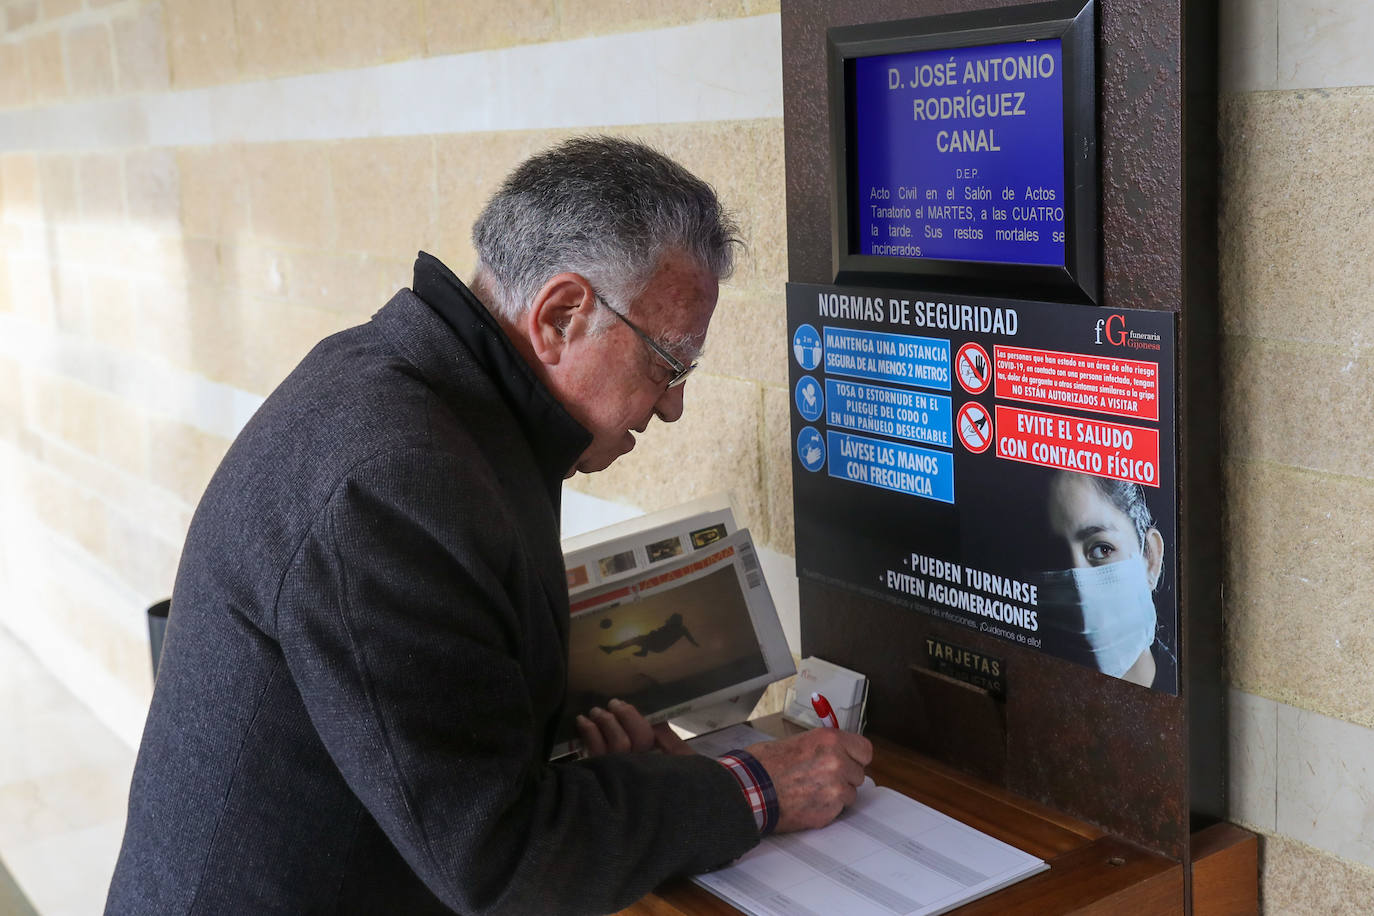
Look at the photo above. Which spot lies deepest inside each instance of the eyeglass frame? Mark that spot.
(680, 369)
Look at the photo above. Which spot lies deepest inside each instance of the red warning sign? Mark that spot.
(1102, 384)
(974, 369)
(1074, 444)
(975, 427)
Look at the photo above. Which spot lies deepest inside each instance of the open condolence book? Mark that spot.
(886, 854)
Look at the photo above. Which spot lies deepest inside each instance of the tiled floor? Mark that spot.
(64, 781)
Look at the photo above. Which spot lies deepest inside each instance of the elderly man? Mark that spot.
(367, 653)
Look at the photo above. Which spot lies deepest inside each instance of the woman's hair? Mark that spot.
(602, 207)
(1130, 499)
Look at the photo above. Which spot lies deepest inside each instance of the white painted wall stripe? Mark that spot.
(155, 386)
(710, 71)
(1297, 44)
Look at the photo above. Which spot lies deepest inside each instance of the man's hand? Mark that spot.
(620, 728)
(815, 775)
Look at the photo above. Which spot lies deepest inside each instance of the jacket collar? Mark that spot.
(556, 438)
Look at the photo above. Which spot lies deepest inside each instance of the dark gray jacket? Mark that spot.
(367, 654)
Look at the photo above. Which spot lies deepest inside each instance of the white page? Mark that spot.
(887, 854)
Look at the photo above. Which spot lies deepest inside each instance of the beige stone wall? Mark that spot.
(1297, 303)
(149, 292)
(58, 49)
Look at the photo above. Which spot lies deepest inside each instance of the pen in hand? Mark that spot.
(823, 711)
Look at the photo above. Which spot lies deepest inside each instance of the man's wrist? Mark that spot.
(757, 787)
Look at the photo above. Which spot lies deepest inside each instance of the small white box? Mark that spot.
(847, 692)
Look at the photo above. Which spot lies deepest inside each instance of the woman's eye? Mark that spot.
(1101, 550)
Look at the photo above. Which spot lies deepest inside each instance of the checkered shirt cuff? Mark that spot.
(757, 786)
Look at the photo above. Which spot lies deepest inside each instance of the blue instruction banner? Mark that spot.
(905, 469)
(895, 412)
(880, 357)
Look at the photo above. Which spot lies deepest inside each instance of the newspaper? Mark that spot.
(638, 544)
(671, 617)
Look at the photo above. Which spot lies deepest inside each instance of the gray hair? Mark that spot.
(606, 208)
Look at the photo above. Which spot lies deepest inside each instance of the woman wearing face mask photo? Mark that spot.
(1097, 601)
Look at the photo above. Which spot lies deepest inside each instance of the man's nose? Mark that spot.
(668, 407)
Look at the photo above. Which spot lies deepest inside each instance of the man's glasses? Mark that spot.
(680, 369)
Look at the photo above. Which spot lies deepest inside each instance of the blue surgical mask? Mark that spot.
(1103, 615)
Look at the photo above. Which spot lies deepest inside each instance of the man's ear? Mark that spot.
(1154, 555)
(558, 315)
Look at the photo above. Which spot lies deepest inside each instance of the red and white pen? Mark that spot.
(823, 710)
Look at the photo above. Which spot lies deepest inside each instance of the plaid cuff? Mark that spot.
(757, 786)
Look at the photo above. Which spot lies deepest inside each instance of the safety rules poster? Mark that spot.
(1005, 465)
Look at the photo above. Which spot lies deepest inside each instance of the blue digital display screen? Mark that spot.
(959, 154)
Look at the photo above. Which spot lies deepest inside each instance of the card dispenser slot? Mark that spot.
(960, 724)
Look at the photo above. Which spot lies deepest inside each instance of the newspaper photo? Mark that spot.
(669, 620)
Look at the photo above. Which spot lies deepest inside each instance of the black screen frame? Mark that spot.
(1074, 23)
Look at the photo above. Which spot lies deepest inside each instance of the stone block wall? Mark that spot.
(1297, 307)
(193, 192)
